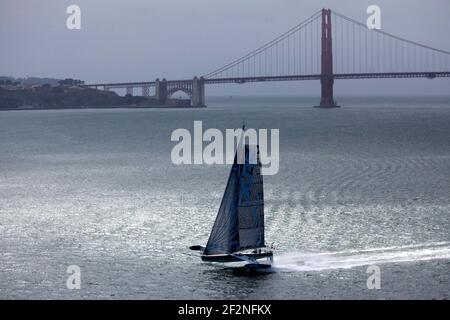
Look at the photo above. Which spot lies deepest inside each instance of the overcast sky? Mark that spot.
(139, 40)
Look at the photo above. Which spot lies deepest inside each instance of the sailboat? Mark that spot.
(238, 231)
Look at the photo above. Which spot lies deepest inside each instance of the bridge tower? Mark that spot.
(161, 91)
(198, 92)
(327, 78)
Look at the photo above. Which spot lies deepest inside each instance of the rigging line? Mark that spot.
(282, 57)
(299, 52)
(310, 47)
(342, 46)
(270, 43)
(383, 55)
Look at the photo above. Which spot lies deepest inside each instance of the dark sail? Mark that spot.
(240, 221)
(250, 206)
(224, 235)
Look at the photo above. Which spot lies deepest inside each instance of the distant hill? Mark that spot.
(33, 80)
(39, 81)
(51, 93)
(65, 97)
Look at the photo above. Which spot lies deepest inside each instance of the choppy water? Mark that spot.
(361, 185)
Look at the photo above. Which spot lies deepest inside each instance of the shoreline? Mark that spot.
(101, 107)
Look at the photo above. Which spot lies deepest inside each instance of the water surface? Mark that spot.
(364, 184)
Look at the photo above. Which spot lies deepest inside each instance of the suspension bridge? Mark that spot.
(327, 46)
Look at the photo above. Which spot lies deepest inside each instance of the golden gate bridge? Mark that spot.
(326, 46)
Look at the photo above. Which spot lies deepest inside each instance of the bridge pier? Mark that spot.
(146, 91)
(327, 78)
(326, 99)
(198, 92)
(129, 91)
(161, 91)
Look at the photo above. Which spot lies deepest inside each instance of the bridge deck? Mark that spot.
(392, 75)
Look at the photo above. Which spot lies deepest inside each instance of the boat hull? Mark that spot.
(224, 257)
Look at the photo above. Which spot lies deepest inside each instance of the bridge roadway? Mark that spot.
(432, 74)
(195, 88)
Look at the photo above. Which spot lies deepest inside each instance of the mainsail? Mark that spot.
(239, 223)
(251, 201)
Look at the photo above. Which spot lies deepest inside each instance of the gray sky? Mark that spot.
(138, 40)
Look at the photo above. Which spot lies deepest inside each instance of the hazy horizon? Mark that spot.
(143, 40)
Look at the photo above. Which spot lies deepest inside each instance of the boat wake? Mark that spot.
(308, 261)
